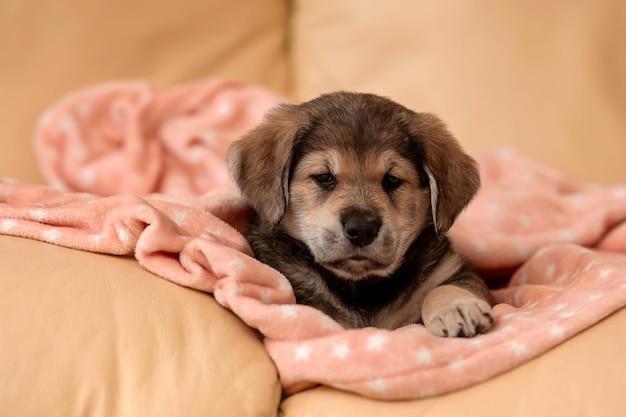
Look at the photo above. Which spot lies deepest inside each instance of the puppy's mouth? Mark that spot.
(357, 267)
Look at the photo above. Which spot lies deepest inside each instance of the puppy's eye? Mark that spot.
(325, 180)
(391, 182)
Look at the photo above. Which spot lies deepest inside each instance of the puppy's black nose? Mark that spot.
(361, 226)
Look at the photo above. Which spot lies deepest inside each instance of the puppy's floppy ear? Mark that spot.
(452, 174)
(261, 160)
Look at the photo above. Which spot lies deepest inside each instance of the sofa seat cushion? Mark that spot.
(97, 335)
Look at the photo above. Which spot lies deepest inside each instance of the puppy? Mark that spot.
(354, 194)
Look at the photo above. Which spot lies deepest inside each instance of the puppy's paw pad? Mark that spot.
(466, 317)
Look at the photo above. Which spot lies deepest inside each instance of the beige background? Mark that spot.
(545, 77)
(51, 48)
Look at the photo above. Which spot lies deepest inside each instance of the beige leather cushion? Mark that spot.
(546, 77)
(584, 376)
(85, 334)
(50, 48)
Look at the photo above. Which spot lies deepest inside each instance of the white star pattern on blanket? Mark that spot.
(39, 214)
(376, 342)
(557, 332)
(303, 352)
(457, 364)
(550, 270)
(424, 357)
(341, 350)
(238, 263)
(289, 311)
(52, 236)
(377, 385)
(7, 225)
(519, 348)
(179, 217)
(123, 233)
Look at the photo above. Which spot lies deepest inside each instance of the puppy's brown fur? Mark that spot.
(354, 194)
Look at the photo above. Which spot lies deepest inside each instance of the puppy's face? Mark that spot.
(357, 202)
(355, 177)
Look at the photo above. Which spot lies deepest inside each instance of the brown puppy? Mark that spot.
(354, 194)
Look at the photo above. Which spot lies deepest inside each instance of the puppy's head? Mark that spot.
(355, 177)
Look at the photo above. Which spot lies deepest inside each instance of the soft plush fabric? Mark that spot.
(546, 78)
(527, 219)
(128, 137)
(582, 376)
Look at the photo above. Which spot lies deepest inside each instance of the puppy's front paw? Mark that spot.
(455, 312)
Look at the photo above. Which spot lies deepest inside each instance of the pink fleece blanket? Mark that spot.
(563, 243)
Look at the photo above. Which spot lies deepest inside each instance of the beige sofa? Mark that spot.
(91, 334)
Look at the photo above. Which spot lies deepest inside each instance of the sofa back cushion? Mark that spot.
(48, 49)
(547, 78)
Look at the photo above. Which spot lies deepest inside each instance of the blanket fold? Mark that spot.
(142, 172)
(125, 137)
(524, 206)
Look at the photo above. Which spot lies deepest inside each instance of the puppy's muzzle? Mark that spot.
(360, 226)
